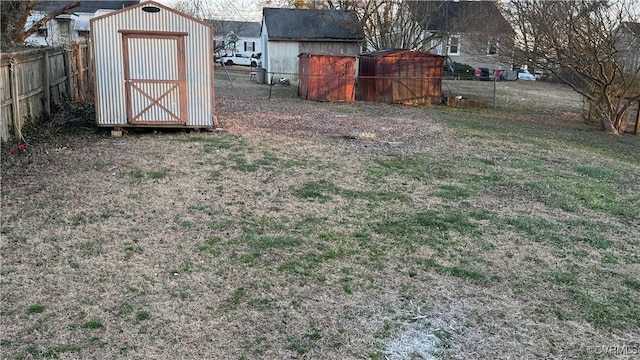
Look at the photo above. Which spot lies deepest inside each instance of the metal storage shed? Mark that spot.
(154, 67)
(400, 76)
(327, 77)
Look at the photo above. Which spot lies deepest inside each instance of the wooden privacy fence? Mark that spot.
(33, 81)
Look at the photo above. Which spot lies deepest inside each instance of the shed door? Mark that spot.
(155, 77)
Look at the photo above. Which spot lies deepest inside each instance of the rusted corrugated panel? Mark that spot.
(153, 57)
(341, 73)
(327, 77)
(400, 76)
(366, 79)
(303, 76)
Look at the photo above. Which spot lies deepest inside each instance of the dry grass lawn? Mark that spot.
(327, 231)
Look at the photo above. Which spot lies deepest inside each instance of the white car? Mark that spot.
(239, 59)
(525, 75)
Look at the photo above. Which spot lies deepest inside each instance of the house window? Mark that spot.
(436, 47)
(492, 48)
(42, 32)
(249, 46)
(65, 28)
(454, 45)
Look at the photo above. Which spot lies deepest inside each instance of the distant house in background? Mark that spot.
(629, 45)
(472, 32)
(248, 35)
(286, 33)
(71, 27)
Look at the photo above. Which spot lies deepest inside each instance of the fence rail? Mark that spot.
(33, 81)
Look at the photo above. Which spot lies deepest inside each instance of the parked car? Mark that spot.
(238, 59)
(524, 74)
(538, 73)
(509, 75)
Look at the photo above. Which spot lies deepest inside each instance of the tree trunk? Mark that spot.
(605, 114)
(14, 16)
(607, 123)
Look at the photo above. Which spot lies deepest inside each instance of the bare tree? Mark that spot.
(14, 15)
(388, 24)
(398, 25)
(582, 43)
(238, 10)
(195, 8)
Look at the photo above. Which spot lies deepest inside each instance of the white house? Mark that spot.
(471, 32)
(629, 45)
(248, 35)
(70, 27)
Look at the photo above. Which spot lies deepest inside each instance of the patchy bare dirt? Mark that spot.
(327, 231)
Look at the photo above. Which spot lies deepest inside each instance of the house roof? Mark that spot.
(312, 24)
(467, 16)
(241, 28)
(84, 7)
(81, 24)
(634, 27)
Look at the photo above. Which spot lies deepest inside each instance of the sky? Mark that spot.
(251, 10)
(239, 10)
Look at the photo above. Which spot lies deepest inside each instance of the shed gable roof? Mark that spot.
(151, 4)
(311, 24)
(634, 27)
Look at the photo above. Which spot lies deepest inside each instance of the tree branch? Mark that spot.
(45, 19)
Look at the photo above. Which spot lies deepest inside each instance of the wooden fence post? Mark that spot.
(68, 58)
(80, 84)
(15, 99)
(91, 72)
(45, 83)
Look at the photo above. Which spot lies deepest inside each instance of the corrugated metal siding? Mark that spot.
(109, 63)
(366, 89)
(304, 76)
(401, 77)
(330, 47)
(144, 68)
(326, 77)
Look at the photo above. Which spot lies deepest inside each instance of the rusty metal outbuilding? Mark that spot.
(154, 67)
(327, 77)
(400, 76)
